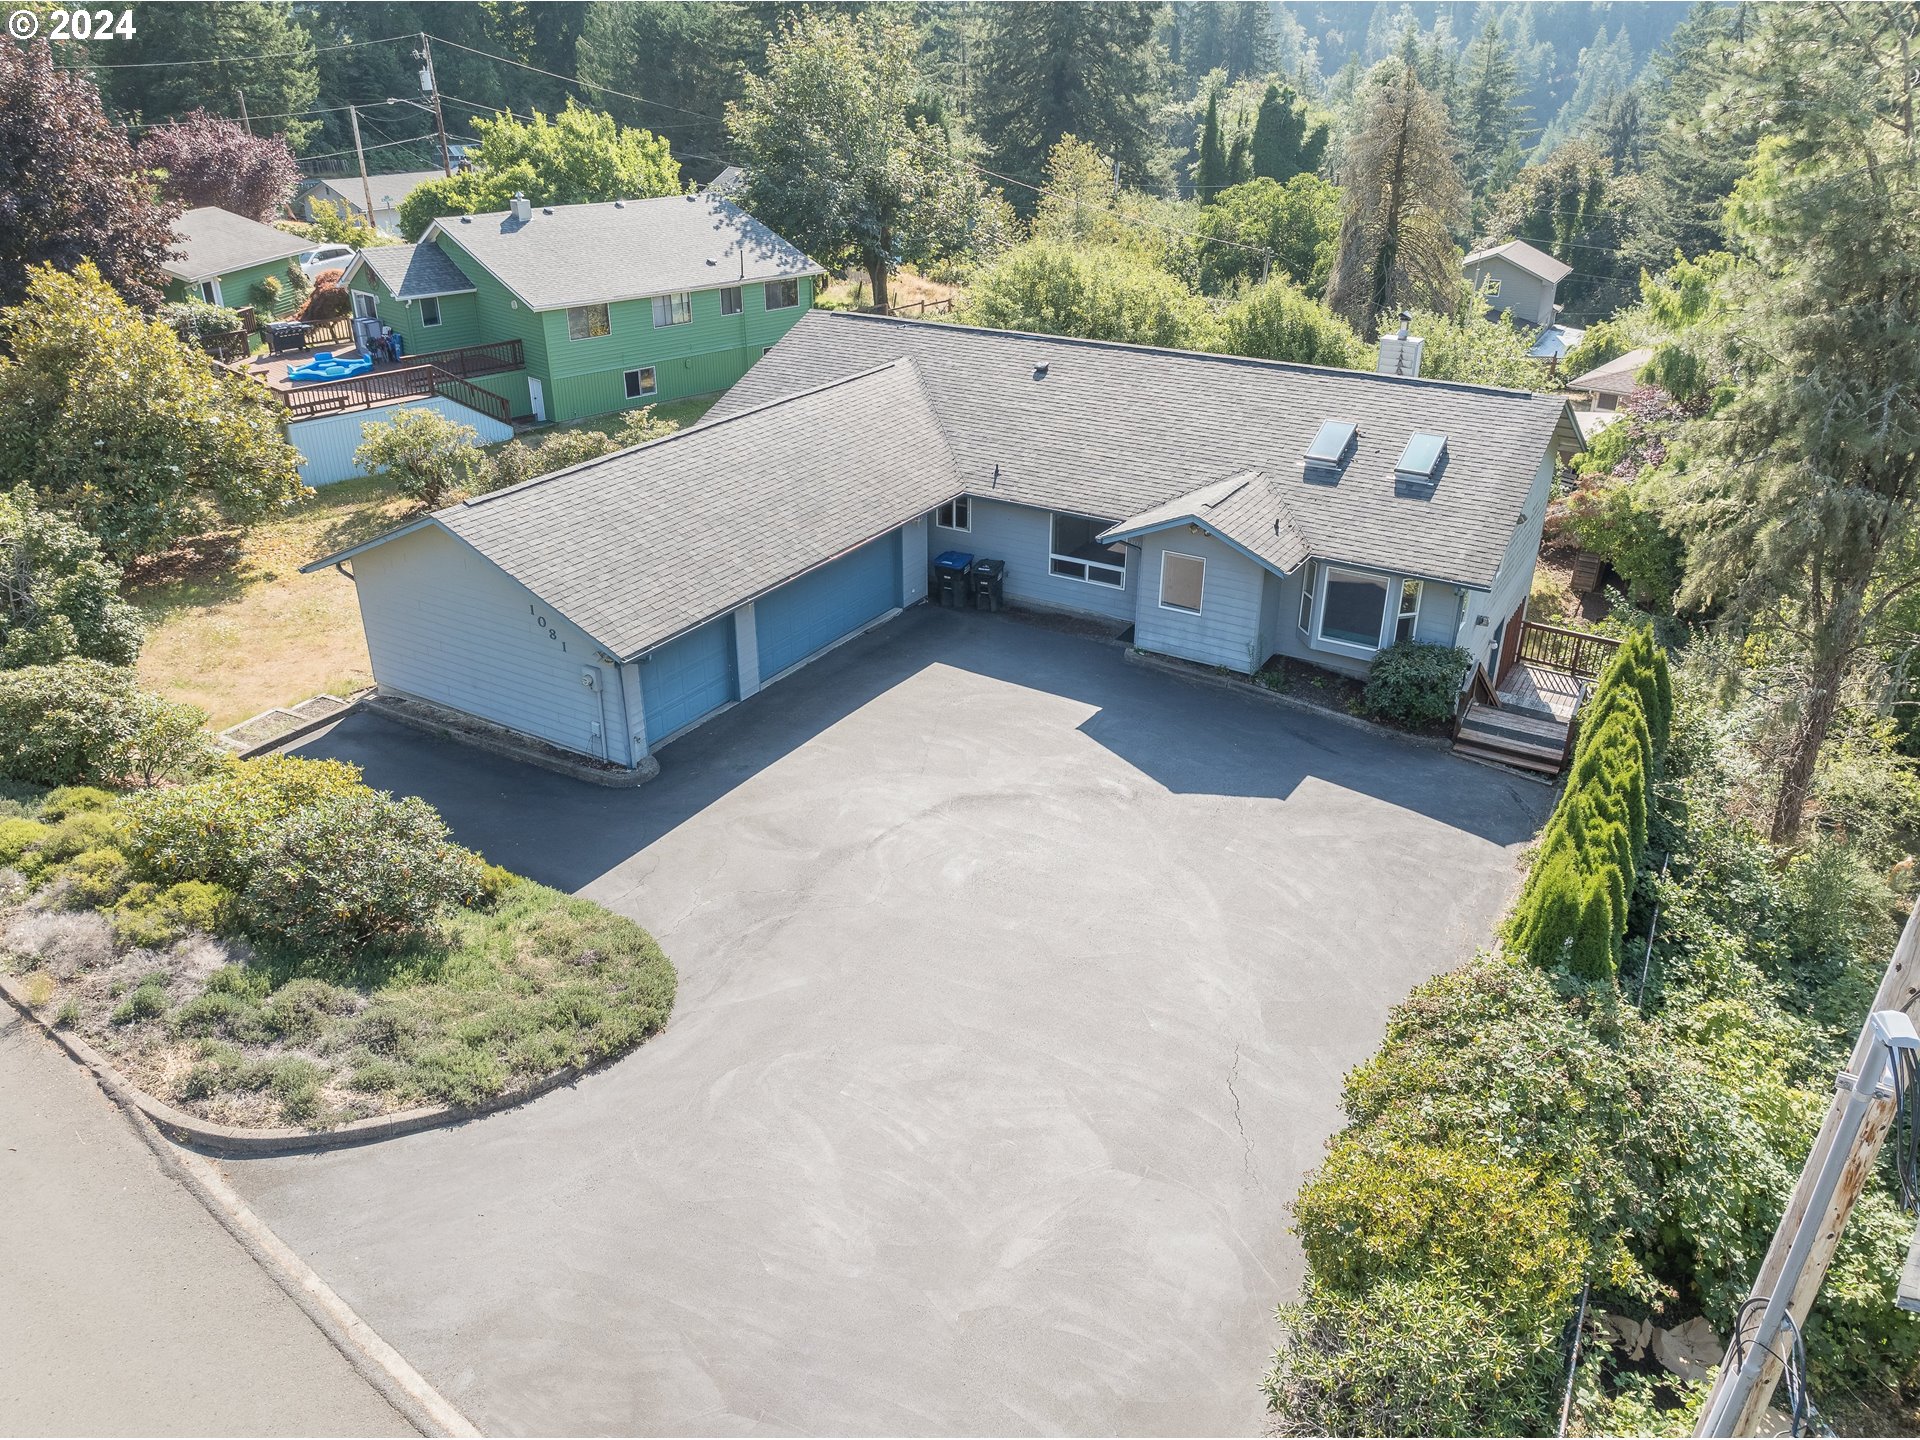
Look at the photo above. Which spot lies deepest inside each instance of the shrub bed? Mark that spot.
(1413, 684)
(279, 944)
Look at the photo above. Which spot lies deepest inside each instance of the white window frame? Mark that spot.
(210, 291)
(672, 309)
(1304, 622)
(735, 294)
(428, 318)
(642, 382)
(366, 305)
(1334, 643)
(1410, 617)
(1055, 559)
(956, 514)
(586, 312)
(767, 300)
(1201, 561)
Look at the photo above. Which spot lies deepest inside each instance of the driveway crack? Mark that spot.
(1233, 1072)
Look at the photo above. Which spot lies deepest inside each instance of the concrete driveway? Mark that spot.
(1017, 984)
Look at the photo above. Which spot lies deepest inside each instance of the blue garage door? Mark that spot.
(683, 681)
(816, 610)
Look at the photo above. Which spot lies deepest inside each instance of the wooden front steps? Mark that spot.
(1511, 737)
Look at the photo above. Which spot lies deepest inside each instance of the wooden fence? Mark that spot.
(1576, 652)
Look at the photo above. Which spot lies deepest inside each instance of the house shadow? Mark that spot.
(1185, 737)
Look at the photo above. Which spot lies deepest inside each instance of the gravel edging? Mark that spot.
(230, 1140)
(1201, 676)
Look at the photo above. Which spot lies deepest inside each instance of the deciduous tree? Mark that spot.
(840, 159)
(1091, 292)
(578, 157)
(1296, 223)
(59, 596)
(1403, 199)
(205, 160)
(69, 186)
(1280, 321)
(110, 417)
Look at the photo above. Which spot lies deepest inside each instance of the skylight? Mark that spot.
(1330, 446)
(1422, 457)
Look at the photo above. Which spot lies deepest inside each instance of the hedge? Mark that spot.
(1572, 911)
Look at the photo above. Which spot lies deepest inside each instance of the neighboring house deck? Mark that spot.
(1228, 510)
(613, 306)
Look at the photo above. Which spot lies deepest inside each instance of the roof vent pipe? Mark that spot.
(522, 208)
(1406, 319)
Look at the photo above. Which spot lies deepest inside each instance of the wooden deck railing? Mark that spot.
(1574, 651)
(385, 387)
(495, 358)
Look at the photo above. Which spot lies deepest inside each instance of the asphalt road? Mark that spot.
(127, 1309)
(1017, 986)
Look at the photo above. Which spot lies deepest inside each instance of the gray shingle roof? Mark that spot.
(1619, 376)
(638, 546)
(388, 189)
(1529, 258)
(411, 271)
(592, 254)
(213, 242)
(1247, 509)
(1113, 430)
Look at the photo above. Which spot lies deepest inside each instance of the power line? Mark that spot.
(576, 80)
(383, 145)
(234, 59)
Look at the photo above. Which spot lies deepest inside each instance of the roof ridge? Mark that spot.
(1254, 361)
(698, 427)
(625, 202)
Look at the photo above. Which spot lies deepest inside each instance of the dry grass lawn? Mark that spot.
(235, 628)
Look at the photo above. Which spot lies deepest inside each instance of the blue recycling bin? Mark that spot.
(949, 585)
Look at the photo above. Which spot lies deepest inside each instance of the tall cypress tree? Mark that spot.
(1077, 68)
(1210, 173)
(1284, 145)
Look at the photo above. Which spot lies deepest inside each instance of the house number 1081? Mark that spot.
(541, 621)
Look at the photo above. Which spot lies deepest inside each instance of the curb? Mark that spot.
(384, 1368)
(228, 1140)
(501, 745)
(299, 732)
(1198, 676)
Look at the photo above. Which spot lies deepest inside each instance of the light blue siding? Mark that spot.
(809, 614)
(326, 445)
(1226, 632)
(687, 679)
(1514, 580)
(1023, 537)
(445, 625)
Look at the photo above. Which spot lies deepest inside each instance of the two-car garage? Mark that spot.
(691, 677)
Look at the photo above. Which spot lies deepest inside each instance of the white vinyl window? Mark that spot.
(1078, 553)
(641, 382)
(672, 309)
(1307, 583)
(1409, 616)
(430, 310)
(1353, 607)
(955, 515)
(587, 322)
(1183, 582)
(210, 291)
(783, 294)
(730, 302)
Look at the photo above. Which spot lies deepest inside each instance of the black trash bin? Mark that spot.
(949, 585)
(987, 581)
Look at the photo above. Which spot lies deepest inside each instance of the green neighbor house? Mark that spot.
(224, 259)
(612, 306)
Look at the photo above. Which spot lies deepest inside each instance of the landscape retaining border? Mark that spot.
(444, 724)
(231, 1140)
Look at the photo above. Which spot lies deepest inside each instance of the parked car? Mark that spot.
(326, 257)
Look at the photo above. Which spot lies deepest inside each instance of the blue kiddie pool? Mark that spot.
(342, 366)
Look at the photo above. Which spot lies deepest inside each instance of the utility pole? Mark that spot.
(1837, 1169)
(428, 84)
(366, 186)
(243, 111)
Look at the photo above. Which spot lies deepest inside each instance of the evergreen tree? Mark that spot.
(1094, 70)
(1210, 171)
(1490, 113)
(1233, 36)
(1801, 506)
(1697, 149)
(1403, 198)
(180, 56)
(1285, 142)
(1572, 207)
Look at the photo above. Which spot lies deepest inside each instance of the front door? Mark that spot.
(536, 398)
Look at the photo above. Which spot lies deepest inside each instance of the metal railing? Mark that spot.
(1576, 652)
